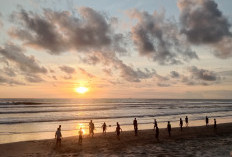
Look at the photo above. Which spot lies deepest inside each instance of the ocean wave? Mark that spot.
(113, 101)
(99, 124)
(63, 110)
(111, 117)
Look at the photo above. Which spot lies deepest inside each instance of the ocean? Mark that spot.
(36, 119)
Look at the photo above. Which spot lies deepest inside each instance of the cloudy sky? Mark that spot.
(117, 49)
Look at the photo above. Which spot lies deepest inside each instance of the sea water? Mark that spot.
(35, 119)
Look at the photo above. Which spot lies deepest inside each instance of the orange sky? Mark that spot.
(152, 49)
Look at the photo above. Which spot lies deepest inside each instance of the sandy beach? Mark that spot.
(192, 141)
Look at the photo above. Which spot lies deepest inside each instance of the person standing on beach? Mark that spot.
(206, 120)
(80, 136)
(104, 128)
(169, 128)
(135, 126)
(91, 128)
(181, 124)
(215, 124)
(118, 131)
(58, 136)
(155, 124)
(157, 133)
(186, 121)
(90, 123)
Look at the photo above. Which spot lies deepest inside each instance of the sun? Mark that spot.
(81, 90)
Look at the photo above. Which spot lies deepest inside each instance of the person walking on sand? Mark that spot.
(104, 128)
(135, 126)
(58, 137)
(215, 124)
(186, 121)
(181, 124)
(207, 121)
(155, 124)
(169, 128)
(157, 133)
(80, 136)
(91, 128)
(118, 131)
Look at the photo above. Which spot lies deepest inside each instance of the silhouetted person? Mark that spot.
(104, 128)
(186, 121)
(91, 128)
(181, 124)
(169, 128)
(206, 120)
(118, 131)
(90, 123)
(80, 136)
(155, 124)
(215, 124)
(157, 133)
(58, 136)
(135, 126)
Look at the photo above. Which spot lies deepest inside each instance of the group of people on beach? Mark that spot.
(169, 128)
(58, 134)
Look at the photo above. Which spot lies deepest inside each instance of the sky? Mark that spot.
(116, 49)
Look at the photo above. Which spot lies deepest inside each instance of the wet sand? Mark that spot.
(192, 141)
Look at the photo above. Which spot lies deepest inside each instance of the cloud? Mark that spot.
(83, 71)
(126, 72)
(203, 74)
(203, 23)
(223, 48)
(193, 76)
(107, 71)
(9, 81)
(54, 77)
(162, 84)
(8, 71)
(67, 69)
(58, 32)
(162, 78)
(91, 32)
(34, 78)
(4, 61)
(226, 73)
(197, 76)
(131, 75)
(25, 63)
(174, 74)
(159, 39)
(90, 59)
(19, 65)
(37, 31)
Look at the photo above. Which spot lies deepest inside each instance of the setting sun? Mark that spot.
(81, 90)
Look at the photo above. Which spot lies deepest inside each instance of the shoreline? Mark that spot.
(129, 144)
(46, 135)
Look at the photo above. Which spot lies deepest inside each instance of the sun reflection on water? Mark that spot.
(82, 127)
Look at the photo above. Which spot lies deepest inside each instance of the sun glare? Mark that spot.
(81, 90)
(82, 127)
